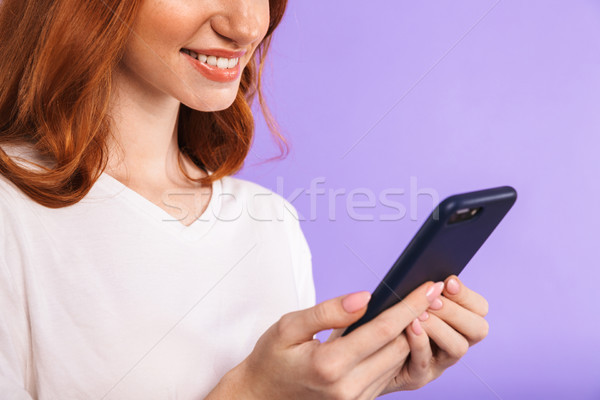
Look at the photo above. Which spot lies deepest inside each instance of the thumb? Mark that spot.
(339, 312)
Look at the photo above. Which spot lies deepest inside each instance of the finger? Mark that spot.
(451, 345)
(372, 336)
(415, 372)
(469, 324)
(417, 369)
(340, 312)
(373, 373)
(380, 367)
(456, 291)
(384, 384)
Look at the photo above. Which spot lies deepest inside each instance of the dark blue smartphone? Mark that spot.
(443, 246)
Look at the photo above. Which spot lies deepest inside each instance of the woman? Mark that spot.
(134, 266)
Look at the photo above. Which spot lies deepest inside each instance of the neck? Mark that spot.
(144, 147)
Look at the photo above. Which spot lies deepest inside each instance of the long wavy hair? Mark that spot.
(60, 107)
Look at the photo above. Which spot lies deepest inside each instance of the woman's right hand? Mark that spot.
(288, 363)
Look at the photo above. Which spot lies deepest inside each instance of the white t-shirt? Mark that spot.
(112, 298)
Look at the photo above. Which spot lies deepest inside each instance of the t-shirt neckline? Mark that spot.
(162, 218)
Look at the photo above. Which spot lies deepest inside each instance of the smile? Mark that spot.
(210, 68)
(219, 62)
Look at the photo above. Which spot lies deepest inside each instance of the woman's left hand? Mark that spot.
(453, 323)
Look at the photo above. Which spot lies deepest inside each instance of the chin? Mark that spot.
(211, 105)
(208, 108)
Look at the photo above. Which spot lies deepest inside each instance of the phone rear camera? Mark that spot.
(464, 214)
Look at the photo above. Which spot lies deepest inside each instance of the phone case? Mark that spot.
(442, 247)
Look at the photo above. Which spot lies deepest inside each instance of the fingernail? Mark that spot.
(416, 327)
(434, 291)
(436, 304)
(356, 301)
(453, 286)
(424, 316)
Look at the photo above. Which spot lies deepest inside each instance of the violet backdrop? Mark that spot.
(456, 96)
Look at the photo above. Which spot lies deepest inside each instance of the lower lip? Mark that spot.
(214, 73)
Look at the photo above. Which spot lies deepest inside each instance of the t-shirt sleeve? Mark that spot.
(302, 264)
(12, 385)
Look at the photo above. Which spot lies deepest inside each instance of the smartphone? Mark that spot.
(448, 239)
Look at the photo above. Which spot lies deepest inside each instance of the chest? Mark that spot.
(185, 205)
(117, 306)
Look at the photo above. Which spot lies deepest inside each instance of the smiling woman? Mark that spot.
(110, 288)
(137, 42)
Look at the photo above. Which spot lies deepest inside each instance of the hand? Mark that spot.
(287, 362)
(454, 322)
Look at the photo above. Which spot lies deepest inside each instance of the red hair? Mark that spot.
(60, 107)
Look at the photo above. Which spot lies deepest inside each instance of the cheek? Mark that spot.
(265, 19)
(163, 27)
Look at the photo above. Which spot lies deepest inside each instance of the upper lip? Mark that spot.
(219, 52)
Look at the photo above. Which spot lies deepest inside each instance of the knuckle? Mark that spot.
(483, 331)
(459, 349)
(322, 314)
(386, 329)
(485, 308)
(327, 369)
(402, 345)
(463, 349)
(284, 325)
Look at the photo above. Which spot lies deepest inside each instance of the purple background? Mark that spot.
(460, 95)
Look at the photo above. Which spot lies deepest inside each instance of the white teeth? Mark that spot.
(212, 60)
(223, 62)
(219, 62)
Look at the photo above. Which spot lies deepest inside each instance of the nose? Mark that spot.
(242, 21)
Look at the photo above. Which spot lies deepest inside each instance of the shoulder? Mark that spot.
(11, 198)
(17, 220)
(269, 209)
(257, 199)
